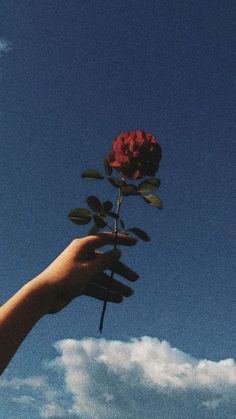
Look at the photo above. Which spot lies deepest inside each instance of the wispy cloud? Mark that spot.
(140, 378)
(26, 400)
(5, 46)
(34, 392)
(18, 383)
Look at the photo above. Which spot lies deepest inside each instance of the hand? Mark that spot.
(79, 270)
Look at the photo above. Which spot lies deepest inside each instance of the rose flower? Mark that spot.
(135, 154)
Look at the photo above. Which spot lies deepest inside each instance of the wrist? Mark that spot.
(36, 296)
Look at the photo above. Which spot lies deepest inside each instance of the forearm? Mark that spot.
(17, 317)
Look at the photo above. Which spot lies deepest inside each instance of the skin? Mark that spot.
(78, 270)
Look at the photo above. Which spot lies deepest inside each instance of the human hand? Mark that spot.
(79, 270)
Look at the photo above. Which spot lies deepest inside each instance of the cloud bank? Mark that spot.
(139, 378)
(142, 377)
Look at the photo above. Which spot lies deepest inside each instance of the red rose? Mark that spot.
(135, 154)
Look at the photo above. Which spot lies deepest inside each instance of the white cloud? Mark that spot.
(98, 378)
(43, 397)
(52, 410)
(114, 379)
(5, 46)
(17, 383)
(23, 399)
(214, 403)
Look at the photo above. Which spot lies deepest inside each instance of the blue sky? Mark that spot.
(73, 74)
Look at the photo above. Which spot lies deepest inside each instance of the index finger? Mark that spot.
(104, 238)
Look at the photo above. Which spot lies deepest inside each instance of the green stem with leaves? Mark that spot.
(115, 231)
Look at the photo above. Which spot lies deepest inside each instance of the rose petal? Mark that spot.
(135, 154)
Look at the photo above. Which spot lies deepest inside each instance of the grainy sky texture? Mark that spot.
(73, 74)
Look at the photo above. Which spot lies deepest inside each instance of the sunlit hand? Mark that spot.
(79, 269)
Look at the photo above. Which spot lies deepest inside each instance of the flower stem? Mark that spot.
(115, 231)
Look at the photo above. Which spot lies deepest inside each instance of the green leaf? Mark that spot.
(139, 233)
(99, 221)
(80, 221)
(80, 212)
(92, 174)
(93, 230)
(80, 216)
(149, 185)
(153, 200)
(94, 203)
(107, 167)
(114, 181)
(129, 189)
(107, 206)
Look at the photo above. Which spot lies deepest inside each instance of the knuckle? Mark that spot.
(76, 244)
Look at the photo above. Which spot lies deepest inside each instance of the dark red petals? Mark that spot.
(135, 154)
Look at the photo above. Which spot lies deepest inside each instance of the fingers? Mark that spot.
(90, 243)
(109, 260)
(103, 261)
(123, 270)
(93, 290)
(106, 281)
